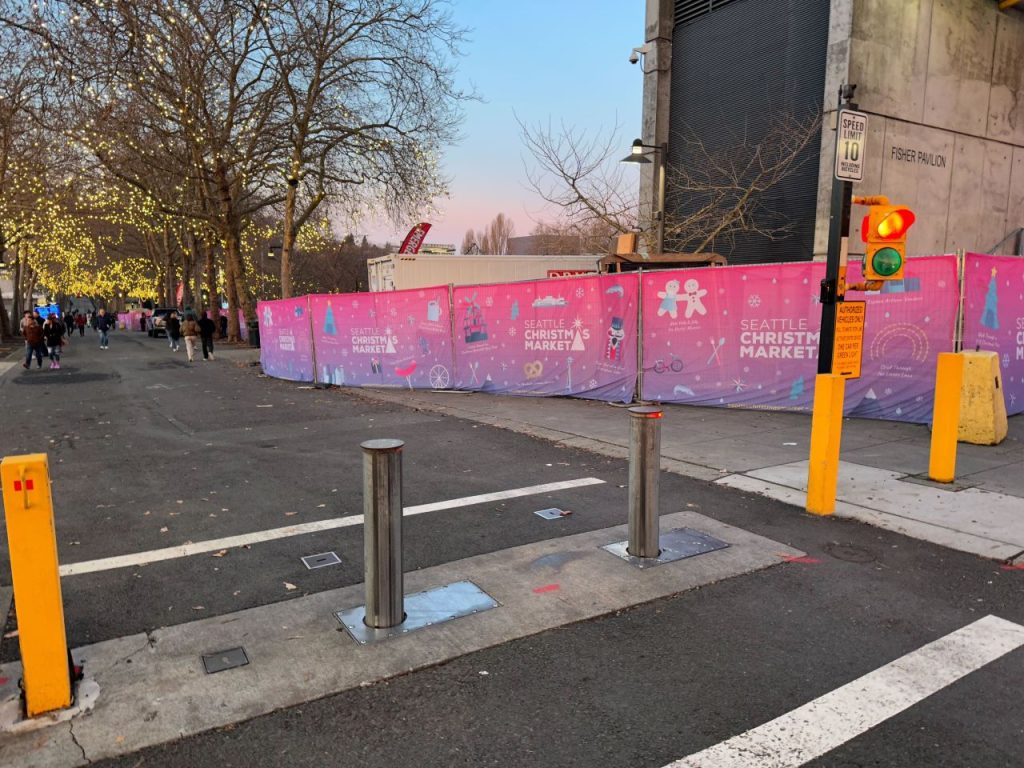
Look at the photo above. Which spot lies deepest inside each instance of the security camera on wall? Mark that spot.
(641, 50)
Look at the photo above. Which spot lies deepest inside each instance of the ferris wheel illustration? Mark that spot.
(439, 378)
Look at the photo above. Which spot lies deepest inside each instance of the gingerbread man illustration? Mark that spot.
(694, 294)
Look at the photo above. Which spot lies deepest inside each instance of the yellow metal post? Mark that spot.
(32, 540)
(949, 376)
(826, 433)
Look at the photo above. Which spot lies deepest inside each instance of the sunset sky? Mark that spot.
(559, 60)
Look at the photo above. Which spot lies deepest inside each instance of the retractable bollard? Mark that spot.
(644, 471)
(382, 537)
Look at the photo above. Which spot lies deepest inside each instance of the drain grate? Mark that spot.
(321, 560)
(229, 659)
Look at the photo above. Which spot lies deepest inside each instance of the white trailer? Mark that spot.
(397, 272)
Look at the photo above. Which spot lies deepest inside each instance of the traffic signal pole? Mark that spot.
(830, 388)
(833, 287)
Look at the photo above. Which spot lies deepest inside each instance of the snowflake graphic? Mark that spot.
(393, 312)
(739, 384)
(355, 305)
(512, 331)
(888, 390)
(344, 353)
(580, 293)
(373, 312)
(592, 383)
(754, 300)
(489, 301)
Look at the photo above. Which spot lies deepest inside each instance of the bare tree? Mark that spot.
(370, 98)
(499, 231)
(469, 243)
(711, 198)
(721, 193)
(576, 173)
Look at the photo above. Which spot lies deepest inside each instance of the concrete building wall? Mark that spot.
(943, 83)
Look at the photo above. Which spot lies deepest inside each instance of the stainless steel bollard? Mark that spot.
(644, 469)
(382, 532)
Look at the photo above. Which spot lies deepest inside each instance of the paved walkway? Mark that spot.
(882, 479)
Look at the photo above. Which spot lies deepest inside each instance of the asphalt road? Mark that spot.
(140, 442)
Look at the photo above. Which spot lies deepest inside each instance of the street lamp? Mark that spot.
(638, 154)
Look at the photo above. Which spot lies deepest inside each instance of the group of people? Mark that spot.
(191, 329)
(46, 337)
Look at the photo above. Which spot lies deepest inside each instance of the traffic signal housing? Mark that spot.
(885, 232)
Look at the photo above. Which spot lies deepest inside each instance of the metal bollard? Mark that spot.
(644, 469)
(382, 532)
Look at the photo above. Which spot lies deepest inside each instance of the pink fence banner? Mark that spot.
(286, 347)
(747, 336)
(994, 317)
(396, 338)
(574, 336)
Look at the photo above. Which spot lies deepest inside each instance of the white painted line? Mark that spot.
(843, 714)
(214, 545)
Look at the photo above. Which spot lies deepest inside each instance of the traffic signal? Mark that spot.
(885, 232)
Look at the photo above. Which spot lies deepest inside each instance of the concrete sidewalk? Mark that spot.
(882, 479)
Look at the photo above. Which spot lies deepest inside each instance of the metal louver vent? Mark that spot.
(688, 10)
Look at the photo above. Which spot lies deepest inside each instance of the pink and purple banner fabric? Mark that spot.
(574, 336)
(396, 338)
(994, 317)
(286, 350)
(748, 337)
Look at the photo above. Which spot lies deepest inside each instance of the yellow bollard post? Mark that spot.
(949, 376)
(32, 540)
(826, 433)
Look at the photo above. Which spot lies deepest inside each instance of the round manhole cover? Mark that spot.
(850, 553)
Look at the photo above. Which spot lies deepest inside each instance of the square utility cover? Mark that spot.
(229, 659)
(319, 561)
(553, 513)
(675, 545)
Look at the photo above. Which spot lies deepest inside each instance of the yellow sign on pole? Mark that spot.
(32, 540)
(849, 339)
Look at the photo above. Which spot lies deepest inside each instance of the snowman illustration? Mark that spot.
(694, 294)
(669, 298)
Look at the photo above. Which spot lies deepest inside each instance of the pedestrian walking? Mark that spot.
(93, 320)
(53, 336)
(69, 324)
(190, 330)
(80, 322)
(206, 330)
(103, 324)
(33, 333)
(173, 325)
(222, 323)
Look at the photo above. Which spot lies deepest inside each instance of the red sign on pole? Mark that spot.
(414, 240)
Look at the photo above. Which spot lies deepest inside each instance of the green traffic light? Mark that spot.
(886, 262)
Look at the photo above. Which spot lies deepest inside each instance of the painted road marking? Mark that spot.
(830, 721)
(199, 547)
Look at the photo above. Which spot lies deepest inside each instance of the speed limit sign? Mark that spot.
(851, 137)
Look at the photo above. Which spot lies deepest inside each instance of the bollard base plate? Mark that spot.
(675, 545)
(422, 609)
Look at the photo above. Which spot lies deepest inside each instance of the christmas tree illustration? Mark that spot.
(577, 342)
(329, 327)
(990, 317)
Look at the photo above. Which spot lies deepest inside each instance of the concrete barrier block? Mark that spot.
(982, 407)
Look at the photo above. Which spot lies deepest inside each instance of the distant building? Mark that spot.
(941, 82)
(439, 249)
